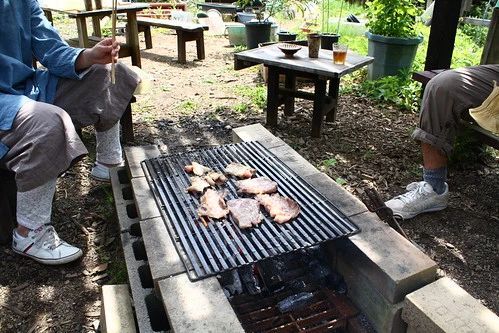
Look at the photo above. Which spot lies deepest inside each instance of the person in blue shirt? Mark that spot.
(39, 111)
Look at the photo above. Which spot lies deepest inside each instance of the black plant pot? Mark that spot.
(256, 33)
(285, 36)
(327, 41)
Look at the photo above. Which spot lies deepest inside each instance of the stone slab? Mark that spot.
(443, 306)
(256, 132)
(163, 258)
(144, 199)
(340, 197)
(294, 160)
(135, 155)
(116, 311)
(389, 261)
(199, 306)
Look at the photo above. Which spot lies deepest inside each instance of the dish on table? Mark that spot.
(288, 49)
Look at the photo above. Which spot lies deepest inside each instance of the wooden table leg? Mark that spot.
(334, 89)
(272, 95)
(200, 44)
(81, 25)
(182, 57)
(289, 101)
(133, 38)
(318, 116)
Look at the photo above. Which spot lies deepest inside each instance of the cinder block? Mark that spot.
(389, 261)
(256, 132)
(443, 306)
(340, 197)
(120, 203)
(294, 160)
(135, 155)
(163, 258)
(116, 310)
(144, 199)
(383, 314)
(199, 306)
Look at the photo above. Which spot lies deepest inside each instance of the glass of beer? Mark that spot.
(339, 53)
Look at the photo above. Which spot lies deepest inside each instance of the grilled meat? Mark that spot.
(281, 209)
(213, 204)
(239, 170)
(215, 178)
(197, 169)
(246, 212)
(259, 185)
(198, 184)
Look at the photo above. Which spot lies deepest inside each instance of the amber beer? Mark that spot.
(339, 53)
(339, 57)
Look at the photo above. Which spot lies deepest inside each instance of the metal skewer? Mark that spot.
(113, 35)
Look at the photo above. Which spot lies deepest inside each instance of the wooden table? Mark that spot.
(320, 70)
(129, 49)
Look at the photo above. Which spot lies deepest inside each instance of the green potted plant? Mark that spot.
(329, 38)
(257, 31)
(392, 36)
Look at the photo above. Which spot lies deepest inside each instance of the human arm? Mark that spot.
(101, 53)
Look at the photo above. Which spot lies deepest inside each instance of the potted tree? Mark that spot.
(392, 36)
(329, 38)
(257, 31)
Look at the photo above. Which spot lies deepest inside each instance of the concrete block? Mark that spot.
(120, 203)
(256, 132)
(163, 258)
(383, 314)
(144, 199)
(340, 197)
(135, 155)
(443, 306)
(199, 306)
(294, 160)
(389, 261)
(116, 310)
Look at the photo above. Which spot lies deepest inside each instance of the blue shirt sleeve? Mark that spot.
(49, 48)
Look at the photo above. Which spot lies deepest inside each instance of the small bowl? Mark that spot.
(288, 49)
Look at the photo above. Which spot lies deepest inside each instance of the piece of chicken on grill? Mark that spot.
(246, 212)
(281, 209)
(196, 168)
(215, 178)
(259, 185)
(240, 170)
(213, 204)
(198, 184)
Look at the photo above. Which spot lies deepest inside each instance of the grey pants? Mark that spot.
(43, 142)
(446, 97)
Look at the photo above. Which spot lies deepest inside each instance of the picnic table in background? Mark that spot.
(129, 49)
(320, 70)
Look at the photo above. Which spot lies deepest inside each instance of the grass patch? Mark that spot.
(256, 94)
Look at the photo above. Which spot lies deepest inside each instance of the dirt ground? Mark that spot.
(197, 104)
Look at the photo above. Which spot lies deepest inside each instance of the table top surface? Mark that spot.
(122, 8)
(271, 55)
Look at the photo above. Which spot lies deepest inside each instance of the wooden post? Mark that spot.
(490, 53)
(442, 34)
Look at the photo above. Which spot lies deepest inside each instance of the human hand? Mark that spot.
(102, 53)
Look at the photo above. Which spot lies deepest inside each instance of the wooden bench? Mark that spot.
(185, 32)
(466, 121)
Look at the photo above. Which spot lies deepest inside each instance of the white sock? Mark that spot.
(108, 148)
(34, 207)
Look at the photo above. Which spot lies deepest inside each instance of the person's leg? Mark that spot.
(43, 144)
(94, 100)
(445, 98)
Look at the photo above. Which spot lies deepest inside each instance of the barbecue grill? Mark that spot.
(220, 245)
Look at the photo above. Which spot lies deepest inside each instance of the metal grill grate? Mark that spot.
(222, 245)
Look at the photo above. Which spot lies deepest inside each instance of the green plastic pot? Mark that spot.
(256, 33)
(391, 54)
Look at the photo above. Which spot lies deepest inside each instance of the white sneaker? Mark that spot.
(45, 246)
(420, 198)
(100, 172)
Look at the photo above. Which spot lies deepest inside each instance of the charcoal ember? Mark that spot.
(231, 283)
(342, 288)
(333, 280)
(249, 280)
(295, 302)
(296, 286)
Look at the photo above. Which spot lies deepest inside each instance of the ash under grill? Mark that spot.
(222, 245)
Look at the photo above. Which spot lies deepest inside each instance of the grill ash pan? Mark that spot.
(221, 245)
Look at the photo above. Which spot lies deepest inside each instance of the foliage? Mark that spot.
(257, 95)
(393, 18)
